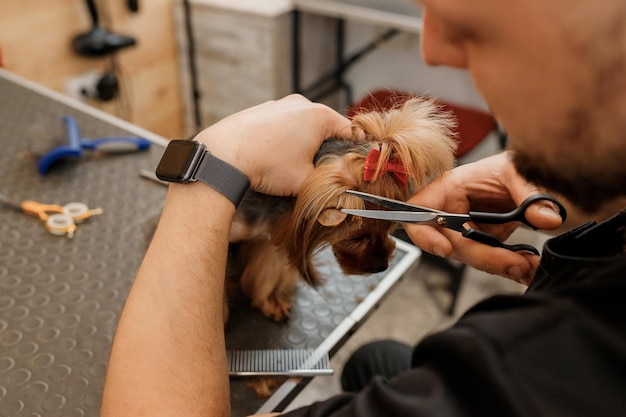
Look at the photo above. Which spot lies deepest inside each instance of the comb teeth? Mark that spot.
(292, 362)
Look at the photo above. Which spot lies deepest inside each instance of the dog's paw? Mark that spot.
(268, 280)
(264, 386)
(274, 308)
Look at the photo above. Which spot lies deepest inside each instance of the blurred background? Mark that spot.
(242, 51)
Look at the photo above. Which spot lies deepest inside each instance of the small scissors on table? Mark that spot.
(401, 212)
(59, 220)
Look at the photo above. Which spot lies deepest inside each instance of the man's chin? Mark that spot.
(588, 191)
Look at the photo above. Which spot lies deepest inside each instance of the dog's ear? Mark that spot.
(419, 134)
(331, 217)
(317, 220)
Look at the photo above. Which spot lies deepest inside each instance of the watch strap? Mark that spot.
(222, 177)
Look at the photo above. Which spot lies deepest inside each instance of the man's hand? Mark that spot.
(491, 184)
(274, 143)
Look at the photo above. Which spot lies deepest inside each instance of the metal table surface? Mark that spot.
(60, 298)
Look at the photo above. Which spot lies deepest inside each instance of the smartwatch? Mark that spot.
(188, 160)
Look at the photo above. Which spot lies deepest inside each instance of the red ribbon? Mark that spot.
(393, 167)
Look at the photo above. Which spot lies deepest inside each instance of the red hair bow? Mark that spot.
(395, 168)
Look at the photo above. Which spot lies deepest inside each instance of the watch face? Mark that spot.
(179, 160)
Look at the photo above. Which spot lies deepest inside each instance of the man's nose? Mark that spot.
(438, 47)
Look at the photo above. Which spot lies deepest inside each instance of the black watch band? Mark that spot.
(187, 160)
(222, 177)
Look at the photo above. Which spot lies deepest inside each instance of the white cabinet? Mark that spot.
(242, 55)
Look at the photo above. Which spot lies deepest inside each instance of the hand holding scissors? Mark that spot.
(401, 212)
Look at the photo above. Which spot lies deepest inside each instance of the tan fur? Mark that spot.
(416, 133)
(272, 294)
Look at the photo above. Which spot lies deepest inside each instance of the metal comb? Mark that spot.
(289, 362)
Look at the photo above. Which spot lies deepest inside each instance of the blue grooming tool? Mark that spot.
(72, 149)
(75, 146)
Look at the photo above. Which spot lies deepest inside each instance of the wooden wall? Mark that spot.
(35, 43)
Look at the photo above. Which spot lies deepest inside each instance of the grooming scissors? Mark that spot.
(77, 145)
(59, 220)
(398, 211)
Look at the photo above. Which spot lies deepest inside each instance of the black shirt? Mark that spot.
(558, 350)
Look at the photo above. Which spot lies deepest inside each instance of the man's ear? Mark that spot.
(331, 217)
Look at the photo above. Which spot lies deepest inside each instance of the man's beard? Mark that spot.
(585, 160)
(586, 188)
(583, 153)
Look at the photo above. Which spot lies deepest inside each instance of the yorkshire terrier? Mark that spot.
(393, 153)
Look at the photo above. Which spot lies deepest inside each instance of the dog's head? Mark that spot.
(392, 154)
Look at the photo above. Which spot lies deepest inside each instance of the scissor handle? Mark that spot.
(39, 209)
(519, 214)
(493, 241)
(121, 144)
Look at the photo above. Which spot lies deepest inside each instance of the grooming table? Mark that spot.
(60, 298)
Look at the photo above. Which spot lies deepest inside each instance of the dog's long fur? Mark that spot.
(277, 237)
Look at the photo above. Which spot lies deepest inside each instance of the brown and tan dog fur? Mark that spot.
(276, 238)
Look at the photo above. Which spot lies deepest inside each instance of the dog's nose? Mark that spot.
(378, 268)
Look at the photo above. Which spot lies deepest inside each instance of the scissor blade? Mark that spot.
(395, 216)
(388, 202)
(4, 200)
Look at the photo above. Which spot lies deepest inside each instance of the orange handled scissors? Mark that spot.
(59, 220)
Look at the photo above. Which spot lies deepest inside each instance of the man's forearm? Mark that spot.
(169, 356)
